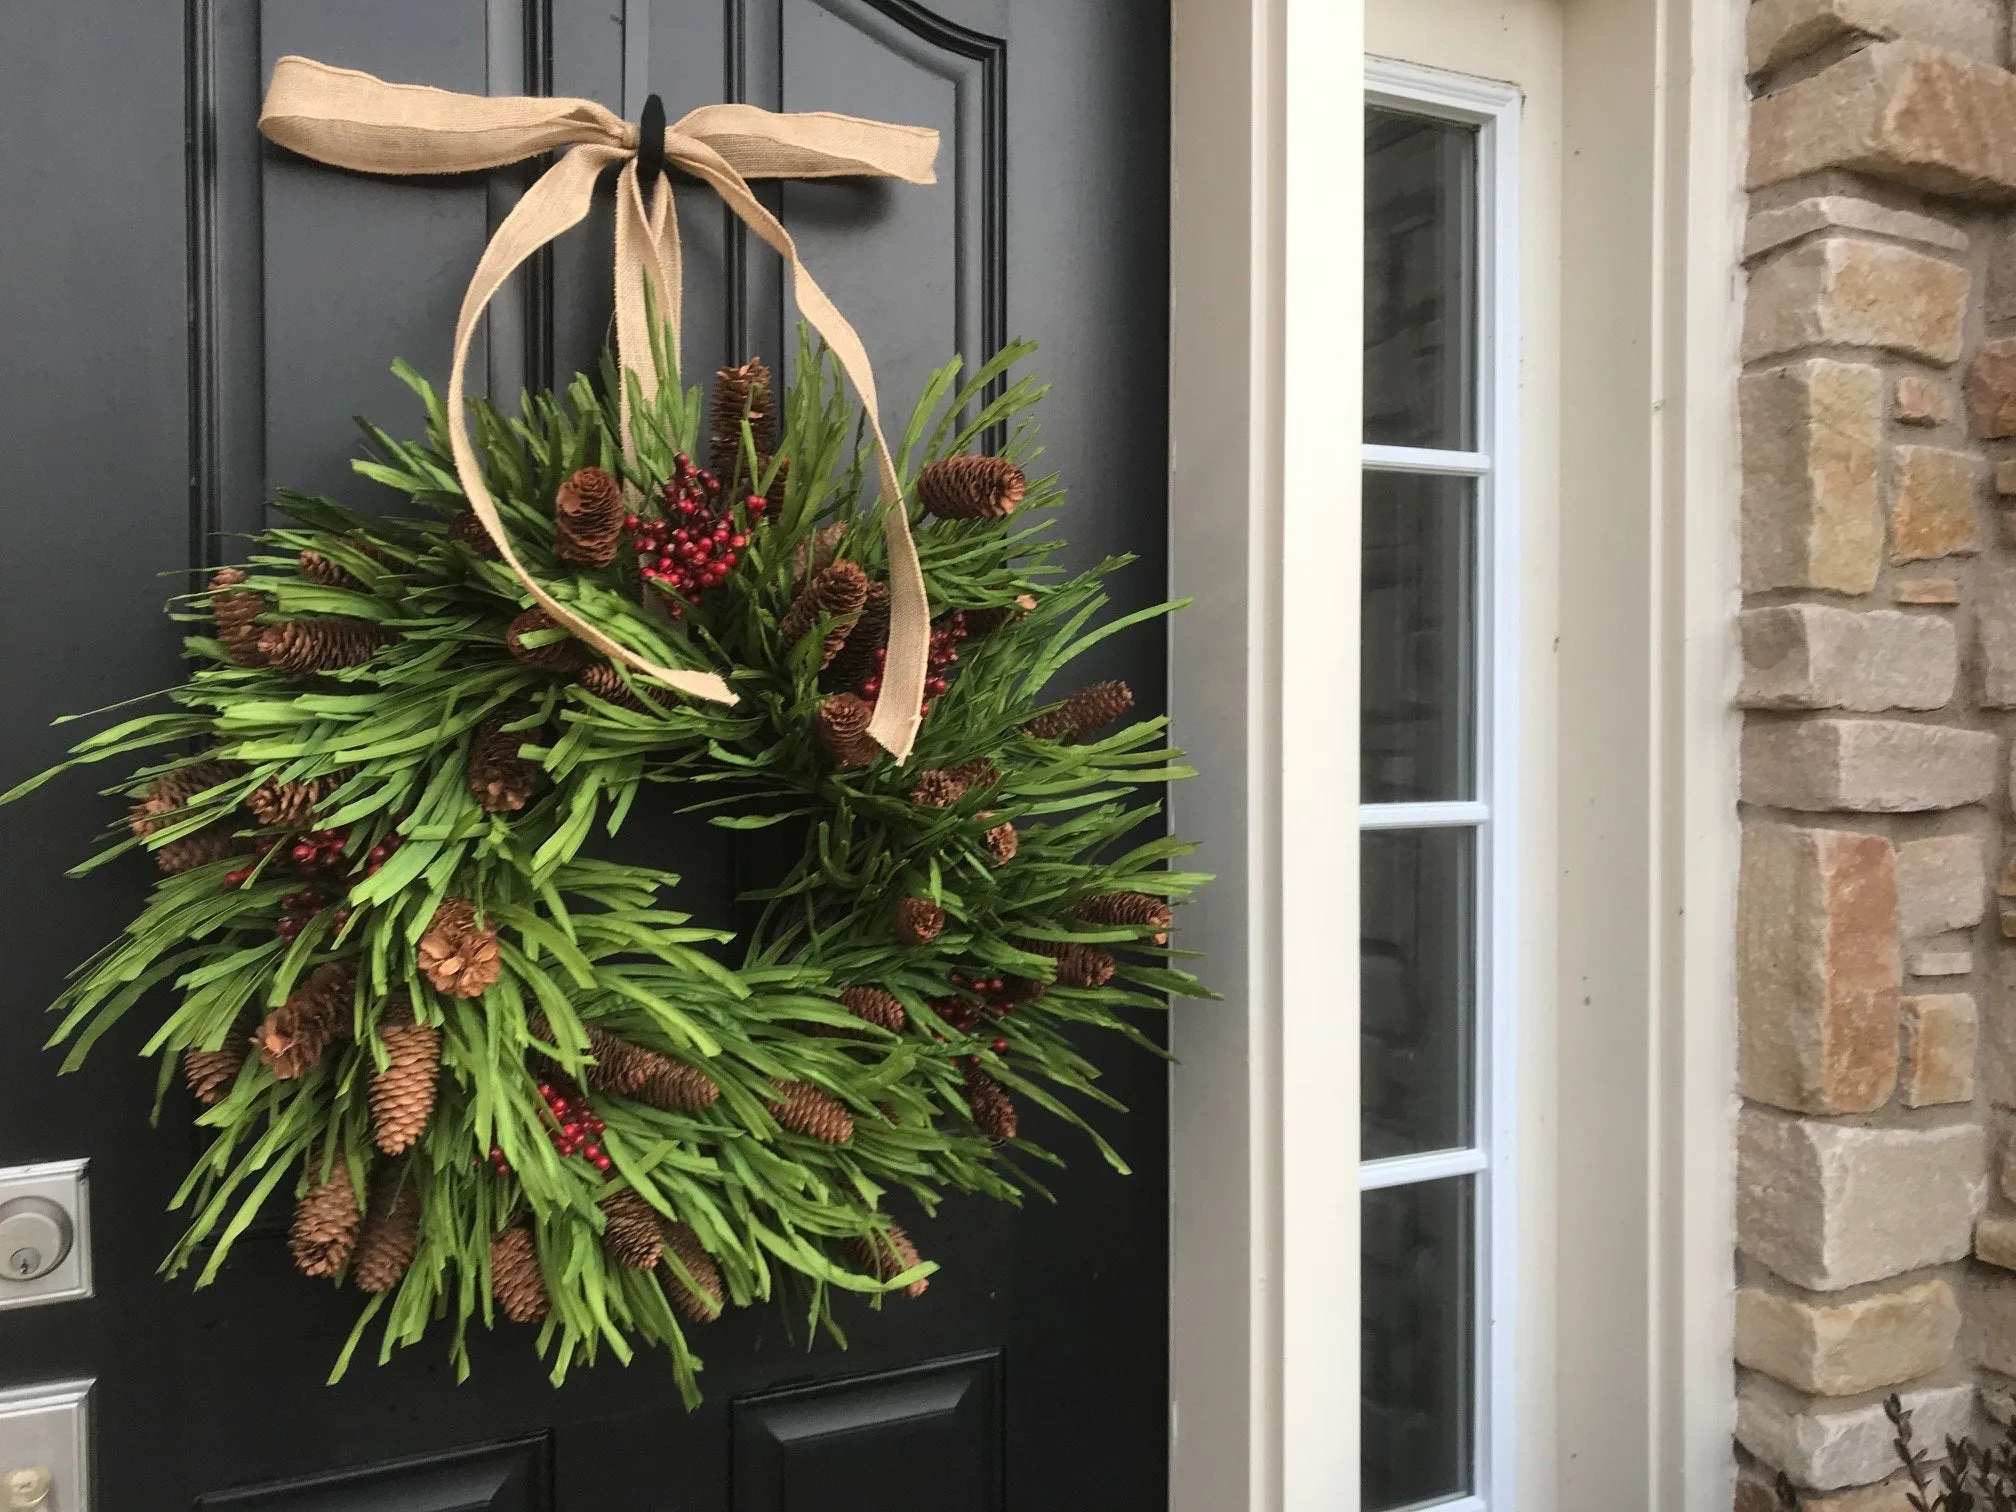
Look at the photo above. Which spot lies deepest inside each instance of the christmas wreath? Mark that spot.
(500, 1075)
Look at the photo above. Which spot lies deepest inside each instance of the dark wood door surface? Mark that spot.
(190, 318)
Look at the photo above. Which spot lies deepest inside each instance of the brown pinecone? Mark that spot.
(603, 680)
(1083, 712)
(740, 391)
(320, 645)
(499, 779)
(469, 530)
(919, 921)
(701, 1300)
(815, 554)
(588, 516)
(325, 1224)
(330, 573)
(937, 789)
(211, 1073)
(237, 617)
(875, 1006)
(390, 1237)
(981, 623)
(457, 954)
(563, 655)
(1084, 966)
(856, 663)
(837, 593)
(213, 843)
(402, 1095)
(971, 488)
(1002, 843)
(620, 1066)
(889, 1255)
(291, 805)
(293, 1037)
(804, 1109)
(630, 1230)
(978, 773)
(1138, 910)
(1052, 724)
(172, 790)
(515, 1278)
(1078, 964)
(675, 1086)
(993, 1110)
(318, 568)
(841, 728)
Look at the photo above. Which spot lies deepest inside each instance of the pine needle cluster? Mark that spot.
(519, 1038)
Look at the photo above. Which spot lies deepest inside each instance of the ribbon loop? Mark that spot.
(353, 120)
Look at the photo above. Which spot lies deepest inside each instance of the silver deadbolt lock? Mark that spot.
(35, 1238)
(28, 1488)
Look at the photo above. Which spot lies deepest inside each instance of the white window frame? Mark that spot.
(1492, 109)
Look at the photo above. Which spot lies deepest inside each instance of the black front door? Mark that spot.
(191, 317)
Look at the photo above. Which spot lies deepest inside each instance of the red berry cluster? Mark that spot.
(297, 908)
(944, 652)
(317, 853)
(573, 1126)
(380, 853)
(978, 999)
(696, 542)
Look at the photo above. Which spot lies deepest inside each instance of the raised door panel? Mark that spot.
(920, 274)
(926, 1440)
(361, 268)
(307, 281)
(513, 1477)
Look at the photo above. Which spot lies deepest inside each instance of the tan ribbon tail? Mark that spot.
(897, 715)
(554, 204)
(647, 254)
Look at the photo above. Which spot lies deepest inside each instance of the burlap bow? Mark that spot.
(353, 120)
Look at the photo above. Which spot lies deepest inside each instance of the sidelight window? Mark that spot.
(1438, 635)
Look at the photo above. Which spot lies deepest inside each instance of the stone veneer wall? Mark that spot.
(1876, 1210)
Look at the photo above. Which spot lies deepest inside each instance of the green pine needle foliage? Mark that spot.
(588, 943)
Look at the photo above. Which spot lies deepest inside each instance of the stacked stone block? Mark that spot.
(1876, 1210)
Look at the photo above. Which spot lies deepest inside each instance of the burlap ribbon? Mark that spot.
(353, 120)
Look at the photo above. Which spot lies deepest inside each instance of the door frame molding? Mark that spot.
(1626, 1183)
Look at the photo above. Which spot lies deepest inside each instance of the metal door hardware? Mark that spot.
(35, 1236)
(45, 1235)
(45, 1456)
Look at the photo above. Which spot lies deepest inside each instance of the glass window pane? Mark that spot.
(1420, 281)
(1418, 1343)
(1418, 630)
(1416, 976)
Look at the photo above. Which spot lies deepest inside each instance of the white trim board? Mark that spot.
(1266, 209)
